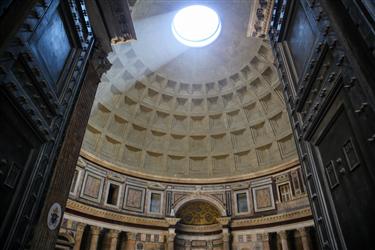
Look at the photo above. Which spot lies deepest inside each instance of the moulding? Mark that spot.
(277, 218)
(105, 164)
(168, 221)
(105, 214)
(260, 17)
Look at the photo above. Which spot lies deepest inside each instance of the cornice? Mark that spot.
(110, 166)
(260, 17)
(271, 219)
(105, 214)
(142, 221)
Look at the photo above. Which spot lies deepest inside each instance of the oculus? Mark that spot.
(196, 26)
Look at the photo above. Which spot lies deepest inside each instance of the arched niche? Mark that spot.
(198, 212)
(199, 224)
(203, 198)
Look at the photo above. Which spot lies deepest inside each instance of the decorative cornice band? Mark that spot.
(143, 221)
(105, 214)
(277, 168)
(271, 219)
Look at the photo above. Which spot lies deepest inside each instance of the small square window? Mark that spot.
(113, 193)
(284, 192)
(242, 203)
(155, 202)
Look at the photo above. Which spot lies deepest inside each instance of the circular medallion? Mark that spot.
(54, 216)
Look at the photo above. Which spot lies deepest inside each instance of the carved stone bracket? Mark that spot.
(260, 16)
(99, 60)
(172, 221)
(224, 221)
(111, 21)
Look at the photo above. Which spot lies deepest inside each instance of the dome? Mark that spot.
(168, 111)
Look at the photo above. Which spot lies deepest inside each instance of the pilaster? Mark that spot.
(304, 238)
(78, 236)
(94, 237)
(284, 240)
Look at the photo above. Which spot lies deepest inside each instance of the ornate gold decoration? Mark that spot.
(198, 213)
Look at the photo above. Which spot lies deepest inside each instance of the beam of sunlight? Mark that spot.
(196, 26)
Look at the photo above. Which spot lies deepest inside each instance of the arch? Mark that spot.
(198, 212)
(204, 198)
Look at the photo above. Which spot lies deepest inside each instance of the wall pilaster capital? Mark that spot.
(283, 235)
(302, 231)
(265, 237)
(113, 233)
(95, 230)
(80, 226)
(130, 235)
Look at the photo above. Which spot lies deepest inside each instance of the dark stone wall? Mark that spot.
(325, 57)
(65, 164)
(50, 65)
(43, 59)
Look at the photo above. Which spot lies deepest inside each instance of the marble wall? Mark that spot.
(107, 189)
(111, 210)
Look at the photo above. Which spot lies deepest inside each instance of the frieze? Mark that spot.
(200, 228)
(306, 212)
(105, 214)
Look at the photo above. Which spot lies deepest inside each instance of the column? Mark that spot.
(130, 241)
(95, 232)
(266, 241)
(225, 223)
(226, 239)
(170, 240)
(304, 238)
(79, 234)
(284, 240)
(172, 221)
(113, 238)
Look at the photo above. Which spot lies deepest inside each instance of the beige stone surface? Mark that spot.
(166, 110)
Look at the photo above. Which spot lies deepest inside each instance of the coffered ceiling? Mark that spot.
(164, 109)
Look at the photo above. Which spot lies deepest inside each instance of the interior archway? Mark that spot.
(199, 226)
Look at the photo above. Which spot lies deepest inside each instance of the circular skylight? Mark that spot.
(196, 26)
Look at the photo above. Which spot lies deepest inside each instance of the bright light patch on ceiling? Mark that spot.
(196, 26)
